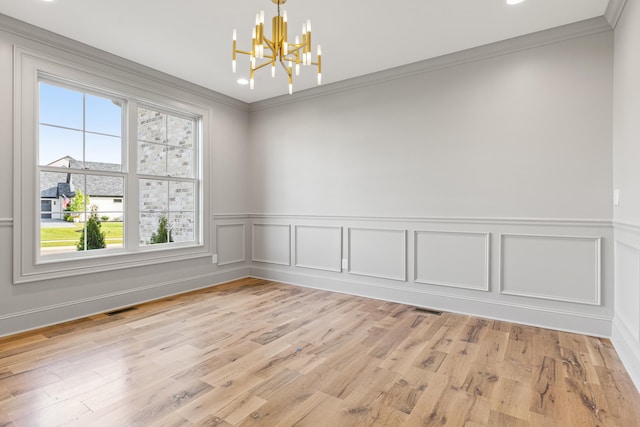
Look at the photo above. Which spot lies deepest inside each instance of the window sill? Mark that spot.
(56, 268)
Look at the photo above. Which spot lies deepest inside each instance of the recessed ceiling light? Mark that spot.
(243, 82)
(514, 1)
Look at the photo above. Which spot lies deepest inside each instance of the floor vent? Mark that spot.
(427, 311)
(122, 310)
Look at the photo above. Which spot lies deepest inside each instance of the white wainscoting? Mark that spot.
(318, 247)
(271, 243)
(560, 268)
(230, 243)
(452, 258)
(626, 324)
(628, 287)
(378, 253)
(552, 273)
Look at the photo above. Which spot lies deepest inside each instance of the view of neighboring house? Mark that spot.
(57, 189)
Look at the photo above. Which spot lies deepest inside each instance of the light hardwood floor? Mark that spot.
(259, 353)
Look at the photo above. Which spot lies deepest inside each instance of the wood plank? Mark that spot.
(259, 353)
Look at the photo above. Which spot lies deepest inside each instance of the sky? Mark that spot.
(71, 120)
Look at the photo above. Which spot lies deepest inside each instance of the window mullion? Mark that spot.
(132, 188)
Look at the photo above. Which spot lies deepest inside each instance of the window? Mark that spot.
(80, 146)
(166, 168)
(110, 171)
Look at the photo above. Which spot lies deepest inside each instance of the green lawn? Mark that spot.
(68, 236)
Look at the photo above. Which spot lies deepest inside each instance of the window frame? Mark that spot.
(31, 67)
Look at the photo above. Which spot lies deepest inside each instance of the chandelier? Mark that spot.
(278, 49)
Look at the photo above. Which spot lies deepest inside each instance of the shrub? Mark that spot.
(163, 232)
(95, 235)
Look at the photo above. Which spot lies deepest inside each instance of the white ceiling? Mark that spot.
(191, 39)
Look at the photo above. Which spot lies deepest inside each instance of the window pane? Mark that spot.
(103, 152)
(181, 196)
(154, 229)
(103, 115)
(102, 190)
(105, 198)
(180, 131)
(57, 143)
(152, 126)
(180, 162)
(182, 226)
(62, 212)
(152, 159)
(153, 195)
(53, 189)
(60, 107)
(92, 236)
(113, 228)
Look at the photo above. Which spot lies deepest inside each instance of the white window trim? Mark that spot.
(28, 266)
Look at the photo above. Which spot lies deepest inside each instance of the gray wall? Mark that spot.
(626, 152)
(478, 183)
(30, 305)
(525, 135)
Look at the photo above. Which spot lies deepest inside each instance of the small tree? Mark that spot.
(95, 235)
(78, 201)
(76, 205)
(163, 232)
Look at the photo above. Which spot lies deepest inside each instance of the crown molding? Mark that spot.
(614, 11)
(529, 41)
(52, 40)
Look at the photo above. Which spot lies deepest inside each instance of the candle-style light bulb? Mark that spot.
(233, 58)
(251, 83)
(290, 88)
(284, 16)
(309, 25)
(319, 65)
(273, 70)
(262, 16)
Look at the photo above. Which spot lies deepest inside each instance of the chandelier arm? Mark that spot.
(269, 43)
(243, 52)
(286, 68)
(296, 48)
(262, 65)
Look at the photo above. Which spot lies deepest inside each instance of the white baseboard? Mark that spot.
(23, 321)
(628, 349)
(406, 293)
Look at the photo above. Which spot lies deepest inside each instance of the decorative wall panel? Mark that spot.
(230, 242)
(319, 247)
(378, 253)
(452, 258)
(561, 268)
(271, 243)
